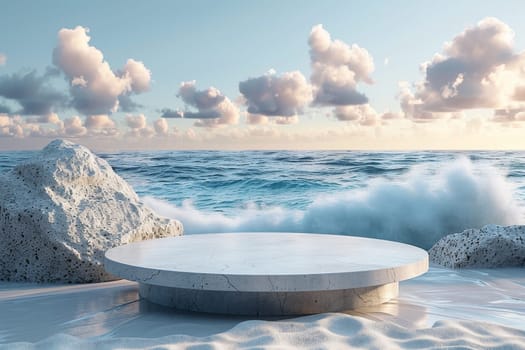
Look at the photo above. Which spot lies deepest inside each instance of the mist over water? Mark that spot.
(416, 208)
(419, 208)
(413, 197)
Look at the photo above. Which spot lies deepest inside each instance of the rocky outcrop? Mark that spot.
(491, 246)
(62, 209)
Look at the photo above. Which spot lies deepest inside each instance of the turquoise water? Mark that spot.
(413, 197)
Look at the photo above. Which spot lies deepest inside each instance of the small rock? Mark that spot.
(491, 246)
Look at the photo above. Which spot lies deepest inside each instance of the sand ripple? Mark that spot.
(326, 331)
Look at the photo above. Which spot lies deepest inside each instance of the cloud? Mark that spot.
(3, 59)
(413, 107)
(19, 127)
(212, 108)
(32, 92)
(171, 113)
(337, 68)
(161, 126)
(11, 126)
(38, 130)
(74, 127)
(190, 134)
(257, 119)
(146, 132)
(509, 115)
(95, 88)
(136, 121)
(391, 115)
(364, 115)
(477, 69)
(273, 95)
(138, 126)
(138, 75)
(294, 119)
(94, 125)
(204, 114)
(51, 118)
(52, 126)
(100, 121)
(4, 109)
(202, 100)
(101, 125)
(126, 104)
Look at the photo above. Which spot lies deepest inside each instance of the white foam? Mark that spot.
(419, 208)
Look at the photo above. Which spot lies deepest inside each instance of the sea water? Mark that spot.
(413, 197)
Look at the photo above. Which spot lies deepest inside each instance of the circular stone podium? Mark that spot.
(267, 273)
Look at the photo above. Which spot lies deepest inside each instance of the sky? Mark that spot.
(364, 75)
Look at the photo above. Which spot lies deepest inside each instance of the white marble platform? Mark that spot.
(267, 273)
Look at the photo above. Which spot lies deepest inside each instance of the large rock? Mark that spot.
(61, 210)
(492, 246)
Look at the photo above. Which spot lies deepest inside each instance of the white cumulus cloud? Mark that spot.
(73, 127)
(161, 126)
(210, 107)
(271, 95)
(337, 68)
(94, 86)
(478, 69)
(136, 121)
(363, 115)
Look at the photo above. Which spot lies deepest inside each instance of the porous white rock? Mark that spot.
(62, 209)
(491, 246)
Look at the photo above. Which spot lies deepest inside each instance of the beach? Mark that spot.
(173, 172)
(443, 308)
(474, 308)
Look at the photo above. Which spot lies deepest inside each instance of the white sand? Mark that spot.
(477, 307)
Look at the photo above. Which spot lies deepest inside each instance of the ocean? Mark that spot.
(412, 197)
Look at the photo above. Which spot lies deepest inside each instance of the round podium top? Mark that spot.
(266, 261)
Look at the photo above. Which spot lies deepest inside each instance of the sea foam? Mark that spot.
(417, 208)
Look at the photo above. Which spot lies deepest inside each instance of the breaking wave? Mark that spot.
(417, 208)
